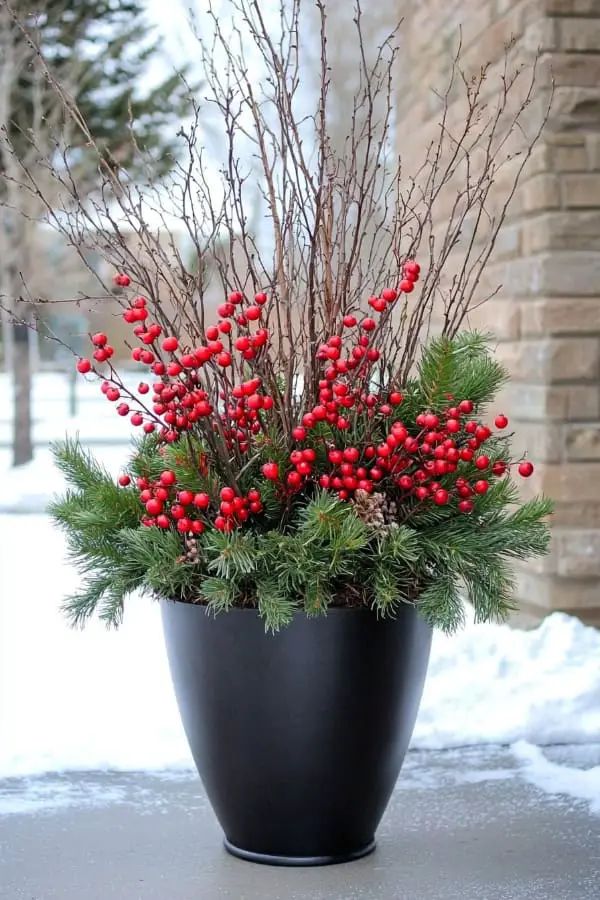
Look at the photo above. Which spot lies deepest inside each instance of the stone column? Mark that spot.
(547, 314)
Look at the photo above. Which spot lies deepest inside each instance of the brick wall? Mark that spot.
(547, 315)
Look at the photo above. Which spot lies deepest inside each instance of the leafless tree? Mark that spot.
(316, 221)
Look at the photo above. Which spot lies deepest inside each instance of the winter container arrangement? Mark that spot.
(317, 481)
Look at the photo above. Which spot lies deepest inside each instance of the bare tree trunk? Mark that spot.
(22, 443)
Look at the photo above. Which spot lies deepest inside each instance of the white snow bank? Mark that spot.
(554, 778)
(103, 699)
(497, 684)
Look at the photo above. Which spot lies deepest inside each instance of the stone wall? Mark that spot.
(547, 314)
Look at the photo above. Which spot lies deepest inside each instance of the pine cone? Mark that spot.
(191, 551)
(376, 511)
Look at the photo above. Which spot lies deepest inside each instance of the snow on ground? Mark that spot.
(102, 699)
(552, 778)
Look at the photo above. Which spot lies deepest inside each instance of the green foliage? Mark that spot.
(312, 551)
(461, 367)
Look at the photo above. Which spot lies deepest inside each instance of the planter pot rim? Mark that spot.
(299, 611)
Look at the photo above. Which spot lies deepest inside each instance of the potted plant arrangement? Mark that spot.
(317, 481)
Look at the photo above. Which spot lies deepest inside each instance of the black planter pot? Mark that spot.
(299, 736)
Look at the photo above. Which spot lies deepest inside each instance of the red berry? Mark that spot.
(271, 471)
(162, 521)
(167, 478)
(499, 468)
(122, 280)
(99, 339)
(525, 468)
(154, 507)
(465, 506)
(185, 497)
(299, 433)
(83, 366)
(389, 294)
(466, 406)
(406, 286)
(227, 494)
(411, 268)
(482, 462)
(501, 421)
(349, 321)
(137, 419)
(253, 313)
(235, 297)
(261, 298)
(170, 344)
(224, 359)
(441, 497)
(184, 525)
(123, 409)
(452, 426)
(395, 398)
(255, 402)
(124, 480)
(201, 500)
(294, 479)
(480, 487)
(368, 324)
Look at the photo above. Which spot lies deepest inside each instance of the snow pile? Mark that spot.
(552, 778)
(496, 684)
(103, 699)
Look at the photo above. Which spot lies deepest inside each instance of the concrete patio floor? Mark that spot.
(461, 824)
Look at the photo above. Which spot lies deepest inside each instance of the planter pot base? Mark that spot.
(267, 859)
(298, 736)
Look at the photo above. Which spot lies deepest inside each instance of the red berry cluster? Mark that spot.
(190, 512)
(438, 457)
(413, 459)
(179, 398)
